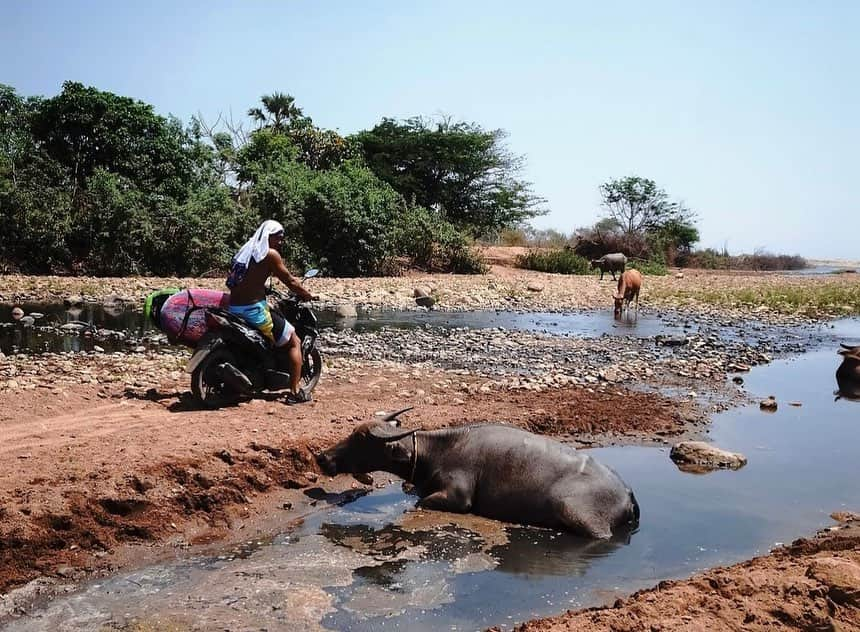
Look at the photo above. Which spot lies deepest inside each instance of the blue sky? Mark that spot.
(746, 111)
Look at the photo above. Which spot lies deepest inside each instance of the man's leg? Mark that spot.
(288, 342)
(294, 354)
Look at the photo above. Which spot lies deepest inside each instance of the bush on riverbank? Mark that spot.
(561, 261)
(652, 268)
(710, 259)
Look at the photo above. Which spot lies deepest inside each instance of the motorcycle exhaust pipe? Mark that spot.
(234, 378)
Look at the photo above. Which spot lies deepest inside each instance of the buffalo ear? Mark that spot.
(387, 433)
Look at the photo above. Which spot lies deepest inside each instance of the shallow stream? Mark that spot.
(123, 328)
(375, 563)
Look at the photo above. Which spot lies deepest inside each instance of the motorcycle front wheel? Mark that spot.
(207, 381)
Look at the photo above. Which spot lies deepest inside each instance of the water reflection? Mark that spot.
(41, 335)
(542, 552)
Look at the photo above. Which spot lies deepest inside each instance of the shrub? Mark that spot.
(710, 259)
(435, 245)
(561, 261)
(652, 268)
(513, 237)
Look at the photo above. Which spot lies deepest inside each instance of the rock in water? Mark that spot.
(17, 313)
(698, 456)
(769, 405)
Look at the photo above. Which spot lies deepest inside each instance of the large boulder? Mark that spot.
(423, 295)
(698, 456)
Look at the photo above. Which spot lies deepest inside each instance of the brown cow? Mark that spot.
(629, 285)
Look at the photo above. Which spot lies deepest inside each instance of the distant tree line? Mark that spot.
(93, 182)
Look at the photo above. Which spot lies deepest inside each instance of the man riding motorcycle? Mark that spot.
(250, 268)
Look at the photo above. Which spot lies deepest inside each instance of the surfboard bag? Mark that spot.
(181, 313)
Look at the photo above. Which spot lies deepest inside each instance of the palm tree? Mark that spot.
(279, 111)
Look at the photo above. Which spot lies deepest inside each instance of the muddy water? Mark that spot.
(43, 336)
(117, 328)
(124, 323)
(377, 564)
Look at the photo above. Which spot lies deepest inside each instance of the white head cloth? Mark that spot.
(257, 247)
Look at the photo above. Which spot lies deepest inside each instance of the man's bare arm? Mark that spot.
(277, 267)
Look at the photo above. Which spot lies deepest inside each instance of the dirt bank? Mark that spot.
(812, 584)
(95, 466)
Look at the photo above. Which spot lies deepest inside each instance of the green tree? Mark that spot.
(341, 220)
(279, 112)
(84, 129)
(15, 139)
(674, 239)
(461, 171)
(280, 117)
(638, 206)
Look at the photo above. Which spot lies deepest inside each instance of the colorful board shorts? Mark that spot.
(272, 325)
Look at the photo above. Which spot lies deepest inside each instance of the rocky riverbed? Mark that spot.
(113, 461)
(504, 288)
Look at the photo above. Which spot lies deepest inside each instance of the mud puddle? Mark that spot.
(378, 564)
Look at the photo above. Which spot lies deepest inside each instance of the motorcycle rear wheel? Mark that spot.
(207, 386)
(311, 370)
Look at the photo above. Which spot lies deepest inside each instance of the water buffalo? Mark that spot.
(848, 373)
(495, 471)
(628, 290)
(613, 263)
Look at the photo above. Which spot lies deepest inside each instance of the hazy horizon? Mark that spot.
(747, 113)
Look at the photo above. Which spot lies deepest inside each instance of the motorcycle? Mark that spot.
(232, 359)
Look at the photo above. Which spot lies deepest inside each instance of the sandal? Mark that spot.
(301, 397)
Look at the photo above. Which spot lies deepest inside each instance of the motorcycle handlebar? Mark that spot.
(291, 296)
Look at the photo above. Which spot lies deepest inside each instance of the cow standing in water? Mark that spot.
(629, 285)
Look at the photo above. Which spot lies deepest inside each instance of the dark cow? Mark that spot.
(615, 262)
(848, 373)
(495, 471)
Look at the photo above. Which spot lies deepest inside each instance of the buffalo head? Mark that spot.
(372, 446)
